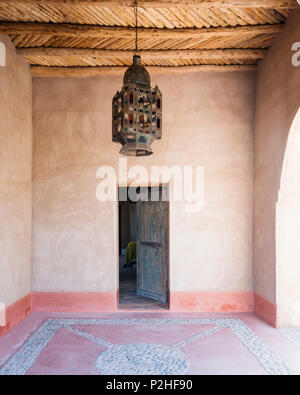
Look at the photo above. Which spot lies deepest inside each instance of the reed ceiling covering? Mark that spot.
(91, 37)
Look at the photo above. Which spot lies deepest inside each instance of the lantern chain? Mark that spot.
(136, 28)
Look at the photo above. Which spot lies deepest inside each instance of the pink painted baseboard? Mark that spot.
(265, 309)
(98, 302)
(90, 302)
(15, 313)
(74, 302)
(217, 302)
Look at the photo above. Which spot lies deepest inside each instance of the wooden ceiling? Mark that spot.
(92, 37)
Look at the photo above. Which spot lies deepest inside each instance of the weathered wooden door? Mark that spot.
(153, 250)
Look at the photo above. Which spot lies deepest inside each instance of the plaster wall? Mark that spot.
(288, 232)
(277, 102)
(15, 176)
(208, 121)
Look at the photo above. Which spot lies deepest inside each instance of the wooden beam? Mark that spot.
(91, 31)
(103, 53)
(277, 4)
(42, 71)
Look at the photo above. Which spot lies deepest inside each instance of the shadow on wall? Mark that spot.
(288, 232)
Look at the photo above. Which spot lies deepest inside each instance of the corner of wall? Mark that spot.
(16, 134)
(265, 309)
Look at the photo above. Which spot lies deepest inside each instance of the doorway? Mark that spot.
(143, 248)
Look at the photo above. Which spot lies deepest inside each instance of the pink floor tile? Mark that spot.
(64, 356)
(232, 358)
(163, 334)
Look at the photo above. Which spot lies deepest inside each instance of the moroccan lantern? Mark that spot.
(137, 111)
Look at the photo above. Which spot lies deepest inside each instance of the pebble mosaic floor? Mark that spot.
(292, 334)
(144, 346)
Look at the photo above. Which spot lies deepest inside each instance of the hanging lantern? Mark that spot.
(137, 111)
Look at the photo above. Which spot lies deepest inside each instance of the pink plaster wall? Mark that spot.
(277, 102)
(15, 177)
(208, 121)
(288, 232)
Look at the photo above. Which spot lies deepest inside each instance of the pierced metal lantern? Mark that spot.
(137, 112)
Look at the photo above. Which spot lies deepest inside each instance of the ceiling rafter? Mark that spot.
(43, 71)
(91, 31)
(186, 53)
(276, 4)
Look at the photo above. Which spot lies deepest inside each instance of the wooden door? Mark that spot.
(152, 250)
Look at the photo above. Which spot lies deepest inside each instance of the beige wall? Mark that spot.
(208, 121)
(288, 232)
(15, 176)
(277, 102)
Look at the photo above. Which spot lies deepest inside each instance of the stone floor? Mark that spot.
(148, 343)
(128, 298)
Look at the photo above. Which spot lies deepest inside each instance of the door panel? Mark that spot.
(150, 280)
(152, 250)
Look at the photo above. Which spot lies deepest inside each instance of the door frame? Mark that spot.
(141, 184)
